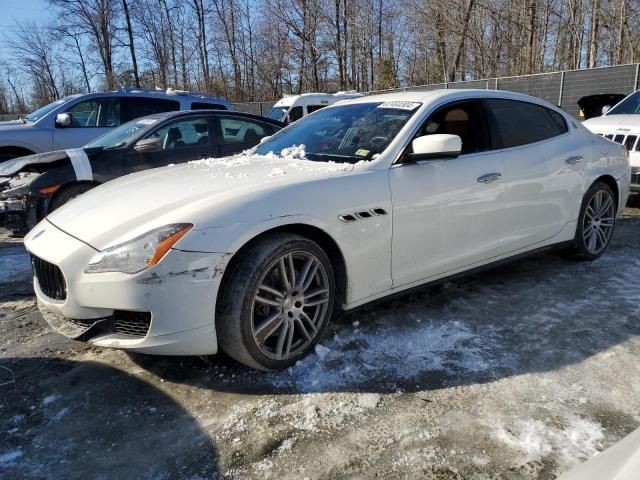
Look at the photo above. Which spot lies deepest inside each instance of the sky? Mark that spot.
(14, 11)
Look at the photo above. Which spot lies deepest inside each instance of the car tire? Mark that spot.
(264, 319)
(596, 222)
(69, 193)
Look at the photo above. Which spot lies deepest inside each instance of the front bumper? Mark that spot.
(179, 294)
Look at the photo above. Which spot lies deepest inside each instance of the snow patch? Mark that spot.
(9, 458)
(50, 399)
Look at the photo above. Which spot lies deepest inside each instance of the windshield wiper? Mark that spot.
(335, 157)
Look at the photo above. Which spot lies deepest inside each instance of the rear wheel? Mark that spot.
(69, 193)
(596, 222)
(277, 302)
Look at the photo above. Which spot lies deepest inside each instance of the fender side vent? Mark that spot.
(363, 215)
(378, 211)
(347, 218)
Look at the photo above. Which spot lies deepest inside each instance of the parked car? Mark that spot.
(374, 196)
(293, 107)
(621, 124)
(35, 185)
(595, 105)
(75, 120)
(621, 461)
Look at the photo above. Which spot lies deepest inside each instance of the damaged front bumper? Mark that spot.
(14, 214)
(167, 310)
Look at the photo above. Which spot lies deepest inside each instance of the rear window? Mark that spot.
(207, 106)
(515, 123)
(135, 107)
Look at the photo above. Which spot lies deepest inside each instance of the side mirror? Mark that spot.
(264, 139)
(435, 147)
(148, 145)
(606, 109)
(64, 120)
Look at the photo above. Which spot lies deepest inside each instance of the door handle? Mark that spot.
(573, 160)
(489, 177)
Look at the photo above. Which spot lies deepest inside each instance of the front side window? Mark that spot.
(135, 107)
(184, 133)
(628, 106)
(345, 133)
(98, 112)
(517, 123)
(240, 130)
(463, 119)
(295, 114)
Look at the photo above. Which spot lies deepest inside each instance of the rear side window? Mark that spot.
(313, 108)
(206, 106)
(242, 130)
(515, 123)
(135, 107)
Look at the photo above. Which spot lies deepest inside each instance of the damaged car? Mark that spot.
(253, 254)
(33, 186)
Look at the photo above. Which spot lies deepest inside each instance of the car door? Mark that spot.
(89, 119)
(183, 139)
(235, 133)
(446, 213)
(541, 174)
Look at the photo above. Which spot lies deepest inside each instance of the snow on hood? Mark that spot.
(13, 166)
(128, 205)
(610, 123)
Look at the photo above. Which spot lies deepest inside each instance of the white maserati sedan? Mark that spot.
(369, 197)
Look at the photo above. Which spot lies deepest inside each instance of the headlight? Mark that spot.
(140, 253)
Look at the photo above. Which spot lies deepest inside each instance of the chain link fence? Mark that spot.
(560, 88)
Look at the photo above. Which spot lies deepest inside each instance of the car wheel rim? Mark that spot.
(598, 222)
(290, 305)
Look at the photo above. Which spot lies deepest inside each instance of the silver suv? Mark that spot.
(74, 121)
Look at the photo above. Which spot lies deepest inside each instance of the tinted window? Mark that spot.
(206, 106)
(629, 106)
(241, 130)
(99, 112)
(135, 107)
(186, 132)
(313, 108)
(519, 123)
(463, 119)
(295, 114)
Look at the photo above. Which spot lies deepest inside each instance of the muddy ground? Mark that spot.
(517, 373)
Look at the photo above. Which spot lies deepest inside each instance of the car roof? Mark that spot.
(168, 94)
(434, 95)
(227, 113)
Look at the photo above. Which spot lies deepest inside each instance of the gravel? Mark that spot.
(520, 372)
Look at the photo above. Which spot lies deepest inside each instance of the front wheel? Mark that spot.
(277, 302)
(596, 222)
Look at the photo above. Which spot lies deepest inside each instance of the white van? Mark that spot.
(294, 107)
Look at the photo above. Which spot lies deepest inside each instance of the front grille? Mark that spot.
(50, 278)
(133, 324)
(628, 141)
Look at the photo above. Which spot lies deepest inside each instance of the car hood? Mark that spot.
(13, 166)
(13, 125)
(614, 123)
(134, 204)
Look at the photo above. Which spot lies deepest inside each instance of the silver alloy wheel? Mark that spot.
(598, 222)
(290, 305)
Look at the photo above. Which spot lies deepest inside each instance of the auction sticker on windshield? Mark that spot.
(400, 105)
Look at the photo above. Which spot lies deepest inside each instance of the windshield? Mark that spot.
(346, 133)
(41, 112)
(278, 113)
(628, 106)
(123, 135)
